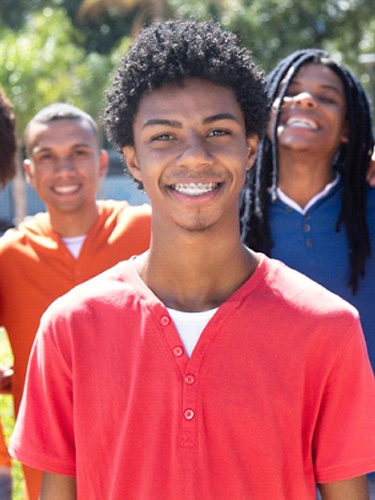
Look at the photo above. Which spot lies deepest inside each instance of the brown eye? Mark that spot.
(218, 133)
(162, 137)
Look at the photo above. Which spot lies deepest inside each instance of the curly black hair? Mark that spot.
(169, 52)
(8, 141)
(352, 161)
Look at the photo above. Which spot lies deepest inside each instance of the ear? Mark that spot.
(131, 161)
(252, 143)
(103, 163)
(28, 172)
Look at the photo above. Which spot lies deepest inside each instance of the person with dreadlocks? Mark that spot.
(307, 202)
(199, 369)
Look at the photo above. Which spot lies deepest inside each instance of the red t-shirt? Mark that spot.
(278, 393)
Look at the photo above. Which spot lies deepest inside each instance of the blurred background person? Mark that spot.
(307, 201)
(75, 239)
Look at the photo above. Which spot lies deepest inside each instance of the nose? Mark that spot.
(64, 165)
(194, 151)
(303, 99)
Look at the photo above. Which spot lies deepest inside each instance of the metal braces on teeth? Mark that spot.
(194, 189)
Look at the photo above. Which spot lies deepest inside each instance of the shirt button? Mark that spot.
(178, 351)
(189, 414)
(307, 216)
(309, 242)
(190, 379)
(307, 228)
(165, 320)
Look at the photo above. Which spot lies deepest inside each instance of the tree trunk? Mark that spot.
(19, 192)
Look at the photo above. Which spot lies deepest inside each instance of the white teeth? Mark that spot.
(66, 189)
(302, 122)
(193, 189)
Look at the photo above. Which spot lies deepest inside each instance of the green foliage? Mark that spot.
(13, 12)
(273, 29)
(43, 64)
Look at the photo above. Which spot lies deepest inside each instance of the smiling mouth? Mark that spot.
(193, 189)
(66, 189)
(302, 123)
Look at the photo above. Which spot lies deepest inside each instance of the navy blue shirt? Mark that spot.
(309, 243)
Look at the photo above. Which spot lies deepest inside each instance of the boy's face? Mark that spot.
(191, 153)
(65, 164)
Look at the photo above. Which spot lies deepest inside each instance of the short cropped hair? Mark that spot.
(8, 141)
(168, 53)
(60, 111)
(352, 161)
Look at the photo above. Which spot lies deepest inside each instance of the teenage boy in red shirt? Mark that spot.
(199, 369)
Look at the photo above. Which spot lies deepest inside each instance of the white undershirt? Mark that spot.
(190, 325)
(292, 204)
(74, 244)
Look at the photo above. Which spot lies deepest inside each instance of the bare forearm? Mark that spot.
(350, 489)
(58, 487)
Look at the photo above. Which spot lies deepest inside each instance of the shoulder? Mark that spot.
(31, 228)
(119, 216)
(123, 208)
(113, 285)
(291, 309)
(296, 292)
(371, 199)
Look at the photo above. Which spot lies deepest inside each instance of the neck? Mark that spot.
(196, 272)
(71, 224)
(302, 176)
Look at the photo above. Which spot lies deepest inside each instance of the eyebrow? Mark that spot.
(177, 124)
(39, 149)
(220, 116)
(73, 146)
(159, 121)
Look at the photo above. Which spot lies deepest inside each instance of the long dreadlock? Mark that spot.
(352, 161)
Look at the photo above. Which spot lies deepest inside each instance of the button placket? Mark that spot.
(189, 414)
(165, 320)
(306, 227)
(189, 378)
(178, 351)
(188, 411)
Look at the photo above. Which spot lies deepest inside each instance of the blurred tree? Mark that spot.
(95, 35)
(273, 29)
(41, 64)
(153, 10)
(138, 12)
(269, 27)
(101, 33)
(14, 12)
(44, 64)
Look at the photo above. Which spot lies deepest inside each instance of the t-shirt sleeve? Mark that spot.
(43, 437)
(344, 440)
